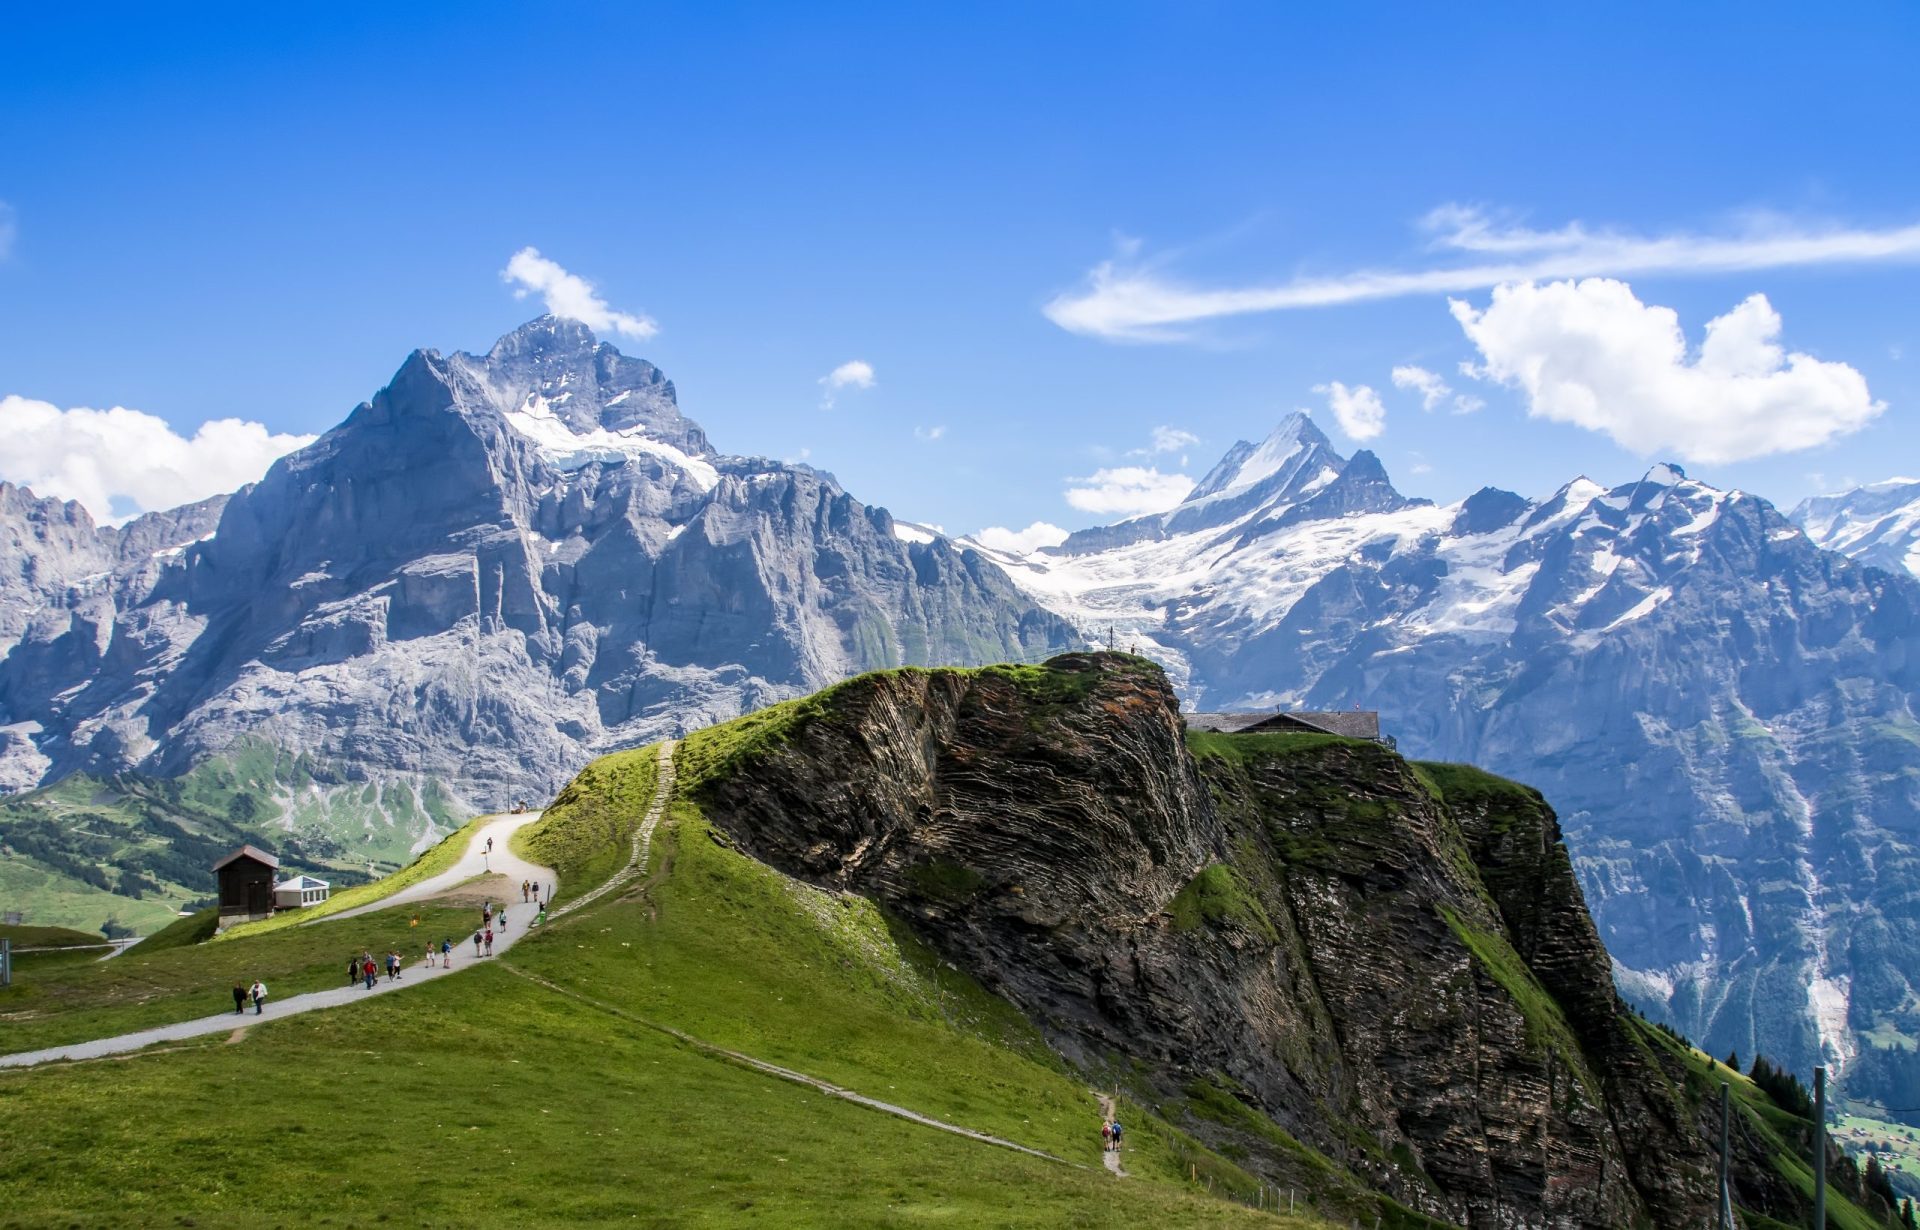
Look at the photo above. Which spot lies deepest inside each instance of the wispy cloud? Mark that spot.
(1433, 389)
(570, 295)
(1166, 440)
(121, 462)
(853, 374)
(1126, 300)
(929, 434)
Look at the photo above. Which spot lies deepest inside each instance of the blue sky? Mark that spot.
(241, 216)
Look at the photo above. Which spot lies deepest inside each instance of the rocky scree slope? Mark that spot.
(1724, 713)
(1338, 967)
(498, 565)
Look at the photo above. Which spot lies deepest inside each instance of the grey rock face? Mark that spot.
(1722, 712)
(498, 566)
(1302, 932)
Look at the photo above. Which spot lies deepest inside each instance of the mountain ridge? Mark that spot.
(1724, 712)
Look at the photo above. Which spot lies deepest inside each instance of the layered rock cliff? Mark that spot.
(1337, 965)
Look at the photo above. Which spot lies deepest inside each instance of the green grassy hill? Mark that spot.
(612, 1068)
(550, 1086)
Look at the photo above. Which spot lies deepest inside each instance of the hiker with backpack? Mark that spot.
(476, 943)
(369, 970)
(446, 952)
(1116, 1136)
(489, 941)
(1106, 1137)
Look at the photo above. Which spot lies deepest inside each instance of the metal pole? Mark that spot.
(1726, 1192)
(1820, 1149)
(6, 963)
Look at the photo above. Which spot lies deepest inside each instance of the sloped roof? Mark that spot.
(1353, 723)
(253, 852)
(302, 882)
(1227, 723)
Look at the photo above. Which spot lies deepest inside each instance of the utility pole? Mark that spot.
(1820, 1149)
(1726, 1192)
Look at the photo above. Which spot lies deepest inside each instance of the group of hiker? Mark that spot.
(1110, 1135)
(255, 994)
(364, 968)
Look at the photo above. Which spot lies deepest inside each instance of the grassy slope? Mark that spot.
(592, 1117)
(487, 1100)
(68, 947)
(1775, 1126)
(586, 834)
(147, 987)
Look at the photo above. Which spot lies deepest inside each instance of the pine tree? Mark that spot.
(1733, 1060)
(1906, 1214)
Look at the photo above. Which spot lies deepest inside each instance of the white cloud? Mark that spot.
(1358, 410)
(1125, 299)
(1128, 491)
(853, 374)
(1434, 390)
(121, 462)
(1021, 542)
(1172, 439)
(570, 295)
(1591, 354)
(929, 433)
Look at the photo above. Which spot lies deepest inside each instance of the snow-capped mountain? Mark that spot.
(498, 566)
(1722, 712)
(1877, 524)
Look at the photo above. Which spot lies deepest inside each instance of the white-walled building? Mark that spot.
(298, 891)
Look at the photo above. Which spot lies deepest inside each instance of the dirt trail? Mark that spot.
(642, 836)
(1110, 1156)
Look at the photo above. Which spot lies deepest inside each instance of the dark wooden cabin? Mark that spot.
(246, 885)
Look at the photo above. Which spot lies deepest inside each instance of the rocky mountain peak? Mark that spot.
(1286, 452)
(551, 379)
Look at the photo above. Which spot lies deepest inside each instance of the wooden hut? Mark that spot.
(246, 885)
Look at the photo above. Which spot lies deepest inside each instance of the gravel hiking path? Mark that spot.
(474, 862)
(1110, 1156)
(642, 836)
